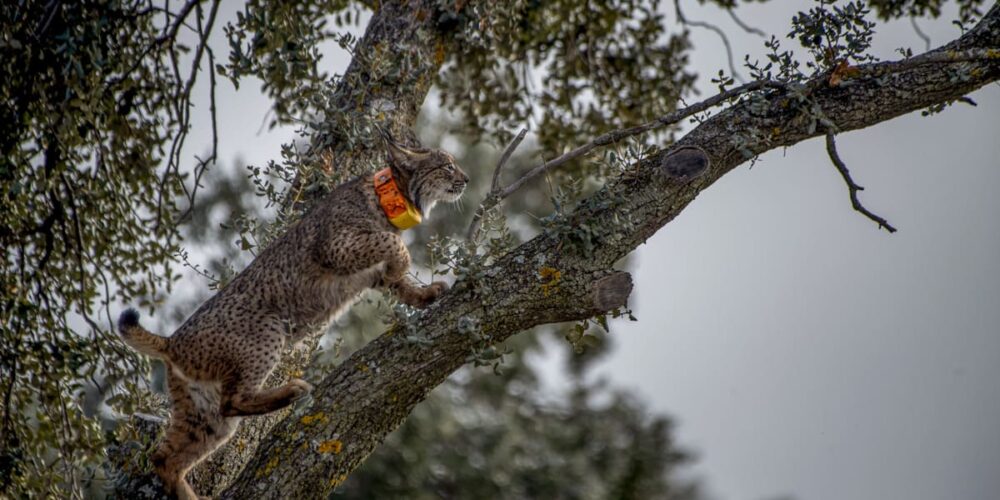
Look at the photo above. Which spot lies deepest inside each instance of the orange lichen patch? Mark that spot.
(439, 54)
(362, 367)
(332, 446)
(336, 481)
(314, 418)
(551, 278)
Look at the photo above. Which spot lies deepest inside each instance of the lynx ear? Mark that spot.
(403, 157)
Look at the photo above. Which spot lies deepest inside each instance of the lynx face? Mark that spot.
(433, 175)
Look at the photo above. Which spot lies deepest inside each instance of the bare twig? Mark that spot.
(923, 36)
(853, 187)
(182, 109)
(718, 31)
(494, 184)
(202, 164)
(169, 36)
(746, 27)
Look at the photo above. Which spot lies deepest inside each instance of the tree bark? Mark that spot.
(551, 279)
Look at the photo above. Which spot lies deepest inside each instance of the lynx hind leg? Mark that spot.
(241, 392)
(196, 430)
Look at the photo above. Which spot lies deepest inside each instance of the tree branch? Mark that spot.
(621, 134)
(744, 26)
(373, 391)
(495, 183)
(718, 31)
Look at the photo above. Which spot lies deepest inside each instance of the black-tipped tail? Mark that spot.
(128, 319)
(139, 338)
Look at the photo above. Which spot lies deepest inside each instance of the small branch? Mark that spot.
(618, 135)
(171, 33)
(744, 26)
(718, 31)
(923, 36)
(853, 187)
(168, 37)
(494, 184)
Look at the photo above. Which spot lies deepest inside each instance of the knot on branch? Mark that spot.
(612, 291)
(686, 163)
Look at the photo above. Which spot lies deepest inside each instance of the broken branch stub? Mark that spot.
(685, 164)
(612, 291)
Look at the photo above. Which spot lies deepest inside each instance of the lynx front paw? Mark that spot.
(418, 296)
(432, 292)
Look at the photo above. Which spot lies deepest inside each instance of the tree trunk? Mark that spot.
(407, 30)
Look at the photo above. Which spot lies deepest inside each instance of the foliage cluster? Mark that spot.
(96, 108)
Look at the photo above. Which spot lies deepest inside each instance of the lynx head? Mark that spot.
(427, 175)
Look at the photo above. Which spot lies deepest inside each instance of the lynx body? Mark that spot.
(220, 357)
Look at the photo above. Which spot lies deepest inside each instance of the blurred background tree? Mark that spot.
(102, 205)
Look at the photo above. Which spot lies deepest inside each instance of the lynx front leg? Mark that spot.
(417, 296)
(347, 254)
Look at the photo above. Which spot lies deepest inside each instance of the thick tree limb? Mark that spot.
(367, 396)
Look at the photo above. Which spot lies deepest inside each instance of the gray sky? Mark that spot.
(805, 352)
(802, 351)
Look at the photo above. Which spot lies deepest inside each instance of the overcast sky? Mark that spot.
(802, 351)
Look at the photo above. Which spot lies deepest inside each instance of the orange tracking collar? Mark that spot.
(400, 212)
